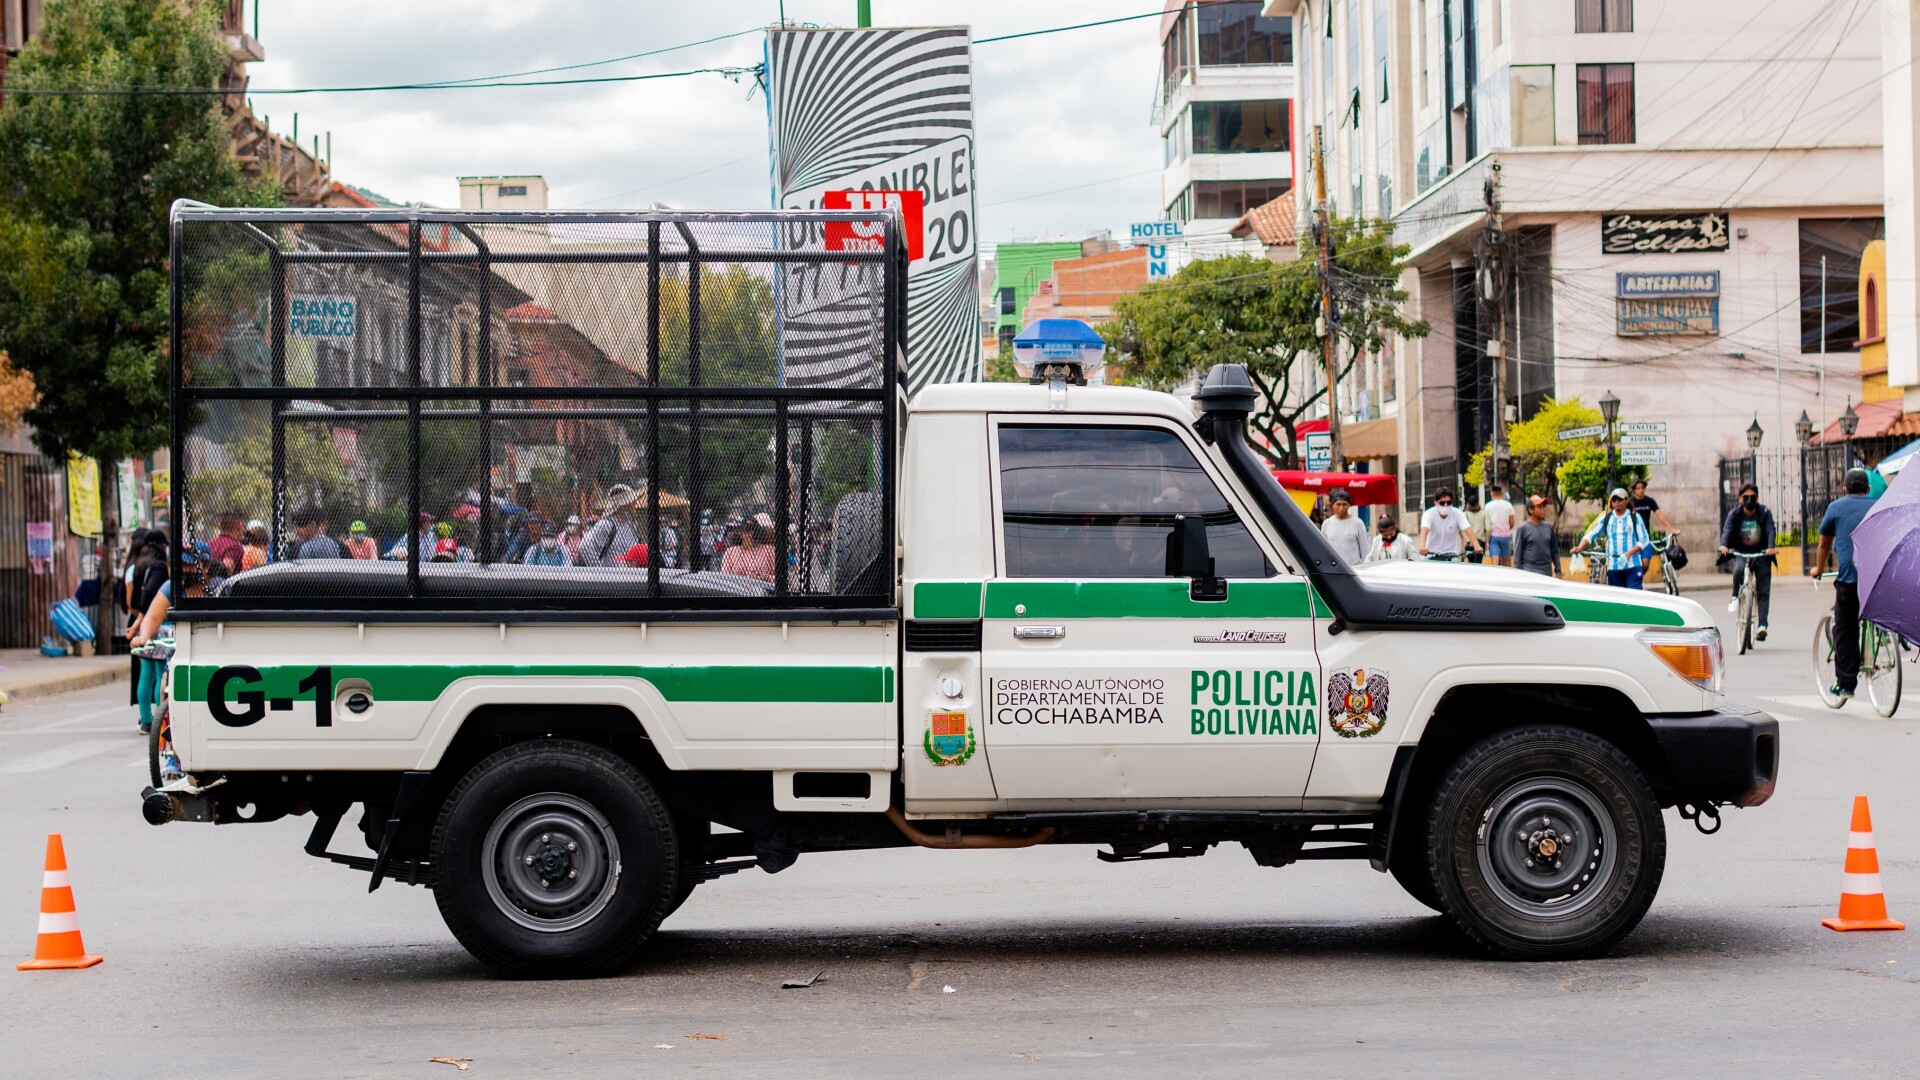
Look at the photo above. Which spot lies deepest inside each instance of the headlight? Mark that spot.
(1694, 655)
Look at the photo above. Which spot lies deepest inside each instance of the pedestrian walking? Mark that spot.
(1535, 548)
(543, 546)
(1347, 533)
(1626, 538)
(1476, 521)
(1836, 540)
(1644, 505)
(359, 545)
(1500, 521)
(227, 549)
(749, 556)
(1390, 545)
(1444, 529)
(571, 536)
(254, 540)
(424, 540)
(310, 526)
(614, 533)
(1749, 531)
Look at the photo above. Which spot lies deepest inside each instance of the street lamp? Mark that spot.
(1803, 428)
(1754, 435)
(1849, 420)
(1609, 412)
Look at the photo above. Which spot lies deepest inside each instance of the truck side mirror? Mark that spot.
(1188, 557)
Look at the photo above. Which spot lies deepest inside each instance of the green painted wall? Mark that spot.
(1022, 267)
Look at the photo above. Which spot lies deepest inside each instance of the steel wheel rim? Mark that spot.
(1517, 828)
(532, 874)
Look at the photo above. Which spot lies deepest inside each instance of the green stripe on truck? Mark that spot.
(1612, 611)
(946, 600)
(426, 682)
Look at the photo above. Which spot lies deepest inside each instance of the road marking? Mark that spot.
(63, 755)
(66, 725)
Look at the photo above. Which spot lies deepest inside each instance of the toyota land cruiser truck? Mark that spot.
(675, 580)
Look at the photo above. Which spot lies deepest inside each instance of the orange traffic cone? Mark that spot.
(1862, 905)
(59, 944)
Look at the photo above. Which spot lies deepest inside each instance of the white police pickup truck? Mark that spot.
(992, 616)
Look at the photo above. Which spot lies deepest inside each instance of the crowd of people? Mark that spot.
(1499, 533)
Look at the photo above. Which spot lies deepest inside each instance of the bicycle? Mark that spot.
(1880, 654)
(163, 763)
(1669, 578)
(1749, 607)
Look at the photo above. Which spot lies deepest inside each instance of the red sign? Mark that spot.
(867, 235)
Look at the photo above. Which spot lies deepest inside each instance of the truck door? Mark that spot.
(1110, 678)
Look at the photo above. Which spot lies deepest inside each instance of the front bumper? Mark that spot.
(1729, 755)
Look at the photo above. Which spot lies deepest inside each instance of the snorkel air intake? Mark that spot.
(1225, 401)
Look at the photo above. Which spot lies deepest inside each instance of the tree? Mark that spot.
(1000, 366)
(1568, 468)
(1243, 309)
(85, 183)
(17, 395)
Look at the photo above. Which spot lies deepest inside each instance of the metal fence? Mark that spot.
(460, 411)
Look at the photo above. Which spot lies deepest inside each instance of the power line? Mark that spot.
(215, 91)
(1062, 29)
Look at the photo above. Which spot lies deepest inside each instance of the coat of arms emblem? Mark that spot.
(1357, 702)
(949, 738)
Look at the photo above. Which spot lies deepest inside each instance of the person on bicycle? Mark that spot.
(1627, 541)
(1836, 539)
(1444, 529)
(1749, 531)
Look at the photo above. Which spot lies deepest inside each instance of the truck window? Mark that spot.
(1098, 502)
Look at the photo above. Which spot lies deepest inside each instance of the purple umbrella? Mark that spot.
(1886, 551)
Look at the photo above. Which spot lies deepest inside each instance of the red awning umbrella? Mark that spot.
(1366, 489)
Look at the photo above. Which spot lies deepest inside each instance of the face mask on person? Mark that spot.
(1749, 500)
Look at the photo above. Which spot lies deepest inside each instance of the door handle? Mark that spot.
(1043, 633)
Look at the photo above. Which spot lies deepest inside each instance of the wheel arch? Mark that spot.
(1468, 713)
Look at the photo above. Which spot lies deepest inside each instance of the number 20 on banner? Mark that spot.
(867, 235)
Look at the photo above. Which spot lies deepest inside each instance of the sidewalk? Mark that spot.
(25, 674)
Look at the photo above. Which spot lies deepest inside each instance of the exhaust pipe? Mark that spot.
(158, 807)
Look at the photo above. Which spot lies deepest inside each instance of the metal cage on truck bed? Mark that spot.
(420, 413)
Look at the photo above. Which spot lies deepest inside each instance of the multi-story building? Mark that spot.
(1018, 269)
(1224, 113)
(1682, 193)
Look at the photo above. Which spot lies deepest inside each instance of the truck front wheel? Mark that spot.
(554, 858)
(1545, 843)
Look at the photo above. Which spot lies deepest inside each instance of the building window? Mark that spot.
(1241, 127)
(1006, 300)
(1176, 53)
(513, 189)
(1532, 94)
(1838, 242)
(1225, 198)
(1236, 33)
(1606, 103)
(1870, 313)
(1602, 16)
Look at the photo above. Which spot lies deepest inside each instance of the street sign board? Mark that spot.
(1584, 432)
(1644, 455)
(1643, 440)
(1642, 427)
(1319, 452)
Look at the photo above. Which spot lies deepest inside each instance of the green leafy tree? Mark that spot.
(1000, 366)
(85, 182)
(1243, 309)
(1568, 468)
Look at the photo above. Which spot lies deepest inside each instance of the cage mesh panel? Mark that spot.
(774, 495)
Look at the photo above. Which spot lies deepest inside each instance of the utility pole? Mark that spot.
(1493, 295)
(1329, 330)
(863, 13)
(3, 54)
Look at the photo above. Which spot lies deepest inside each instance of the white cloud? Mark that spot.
(1051, 111)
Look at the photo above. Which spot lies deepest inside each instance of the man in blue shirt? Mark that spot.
(1836, 538)
(1626, 538)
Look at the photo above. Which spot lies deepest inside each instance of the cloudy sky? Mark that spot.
(1068, 110)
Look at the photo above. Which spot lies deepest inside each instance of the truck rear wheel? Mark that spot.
(554, 858)
(1545, 843)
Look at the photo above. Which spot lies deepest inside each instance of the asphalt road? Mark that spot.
(229, 953)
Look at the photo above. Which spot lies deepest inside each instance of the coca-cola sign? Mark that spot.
(1667, 234)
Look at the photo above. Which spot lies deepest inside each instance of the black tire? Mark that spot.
(603, 842)
(1525, 794)
(1410, 869)
(692, 859)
